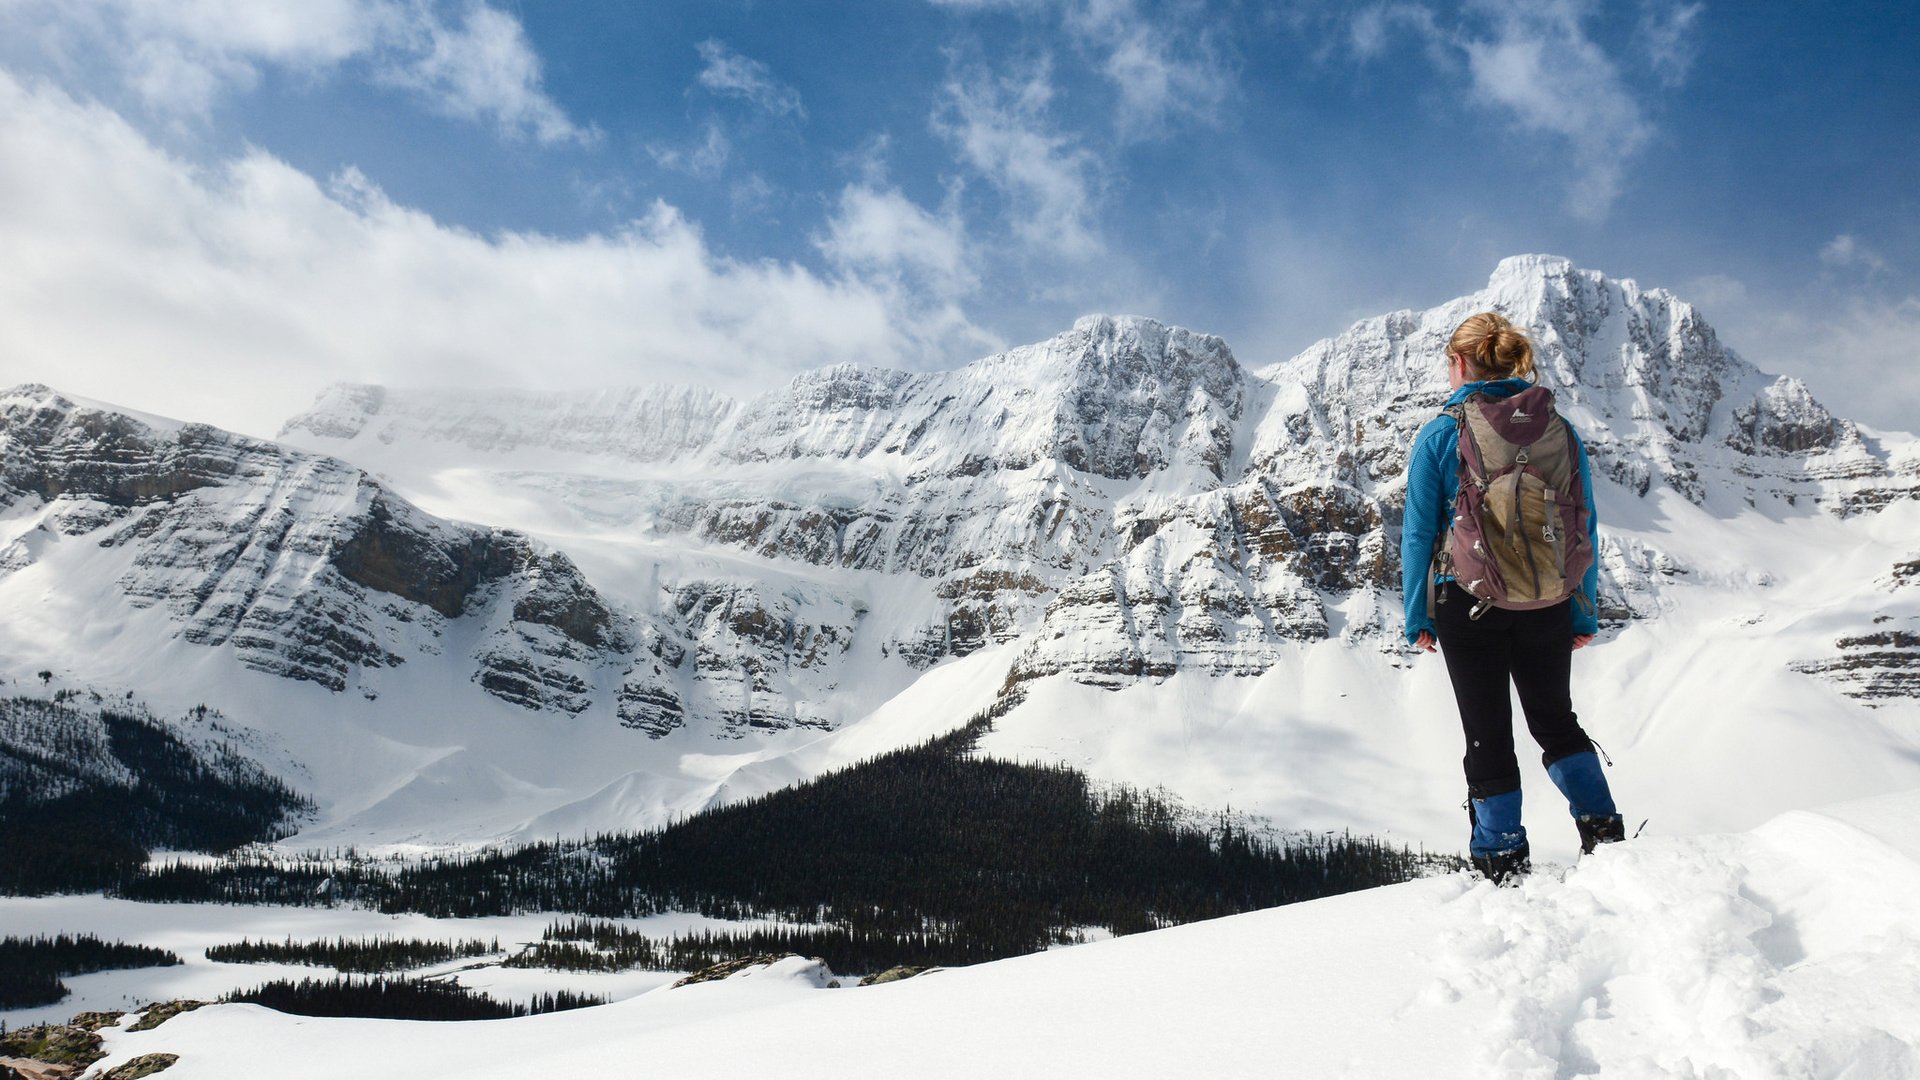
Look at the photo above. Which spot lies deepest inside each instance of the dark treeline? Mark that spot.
(593, 945)
(358, 956)
(401, 999)
(31, 968)
(951, 855)
(86, 791)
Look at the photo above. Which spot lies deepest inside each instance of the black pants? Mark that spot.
(1533, 650)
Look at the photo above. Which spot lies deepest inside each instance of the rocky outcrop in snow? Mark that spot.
(1877, 667)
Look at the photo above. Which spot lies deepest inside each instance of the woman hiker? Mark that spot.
(1512, 616)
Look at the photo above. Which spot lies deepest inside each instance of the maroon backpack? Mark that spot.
(1519, 535)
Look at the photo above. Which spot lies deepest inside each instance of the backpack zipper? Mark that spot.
(1553, 537)
(1526, 542)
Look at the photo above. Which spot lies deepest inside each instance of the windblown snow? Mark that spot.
(1791, 951)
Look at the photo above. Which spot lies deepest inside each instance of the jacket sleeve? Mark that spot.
(1586, 617)
(1420, 522)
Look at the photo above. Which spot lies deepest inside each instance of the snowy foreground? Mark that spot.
(1792, 950)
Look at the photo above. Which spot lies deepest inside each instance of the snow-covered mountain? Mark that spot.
(1153, 561)
(299, 564)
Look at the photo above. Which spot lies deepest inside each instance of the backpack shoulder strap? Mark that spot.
(1435, 564)
(1472, 464)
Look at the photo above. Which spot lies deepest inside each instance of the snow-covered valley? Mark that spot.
(1789, 951)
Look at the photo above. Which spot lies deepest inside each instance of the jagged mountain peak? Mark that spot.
(1136, 346)
(1147, 334)
(56, 407)
(1642, 373)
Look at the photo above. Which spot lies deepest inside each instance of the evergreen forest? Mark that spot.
(926, 855)
(87, 788)
(401, 999)
(31, 968)
(356, 956)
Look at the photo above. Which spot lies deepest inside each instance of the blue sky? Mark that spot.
(216, 207)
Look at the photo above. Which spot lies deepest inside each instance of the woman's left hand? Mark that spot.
(1581, 641)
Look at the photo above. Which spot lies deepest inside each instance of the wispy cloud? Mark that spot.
(730, 74)
(1370, 29)
(1542, 69)
(232, 292)
(1847, 252)
(879, 231)
(181, 57)
(1166, 66)
(706, 157)
(1667, 32)
(1001, 128)
(482, 69)
(1533, 62)
(1164, 59)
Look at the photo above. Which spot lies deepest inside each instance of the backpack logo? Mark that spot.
(1519, 538)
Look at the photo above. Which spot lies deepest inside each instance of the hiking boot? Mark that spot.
(1597, 829)
(1504, 867)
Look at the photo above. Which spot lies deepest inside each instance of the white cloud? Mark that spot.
(879, 231)
(1711, 292)
(232, 293)
(1541, 68)
(729, 73)
(1666, 31)
(754, 195)
(483, 69)
(706, 158)
(1000, 128)
(1163, 67)
(1370, 27)
(180, 57)
(1848, 253)
(1165, 64)
(1534, 62)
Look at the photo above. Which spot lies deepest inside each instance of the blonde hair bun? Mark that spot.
(1493, 346)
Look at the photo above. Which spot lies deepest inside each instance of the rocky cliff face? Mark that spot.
(1120, 502)
(304, 566)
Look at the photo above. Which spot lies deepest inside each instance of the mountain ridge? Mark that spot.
(1121, 506)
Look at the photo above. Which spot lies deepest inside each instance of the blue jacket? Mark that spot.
(1433, 479)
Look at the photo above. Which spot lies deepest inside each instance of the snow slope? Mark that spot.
(1790, 951)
